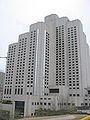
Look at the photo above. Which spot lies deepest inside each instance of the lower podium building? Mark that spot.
(48, 68)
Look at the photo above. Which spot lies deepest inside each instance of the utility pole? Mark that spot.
(3, 57)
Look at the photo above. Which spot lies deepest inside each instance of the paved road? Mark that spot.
(61, 117)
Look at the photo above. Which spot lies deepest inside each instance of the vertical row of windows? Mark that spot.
(9, 70)
(7, 90)
(60, 56)
(73, 65)
(20, 68)
(46, 62)
(31, 63)
(19, 91)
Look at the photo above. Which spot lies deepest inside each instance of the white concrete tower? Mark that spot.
(51, 60)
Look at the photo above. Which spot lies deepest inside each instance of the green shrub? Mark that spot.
(4, 115)
(6, 102)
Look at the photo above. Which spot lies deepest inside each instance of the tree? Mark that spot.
(4, 115)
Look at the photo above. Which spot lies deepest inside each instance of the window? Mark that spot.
(18, 90)
(70, 94)
(30, 93)
(86, 104)
(78, 95)
(40, 103)
(44, 103)
(54, 90)
(73, 94)
(89, 92)
(37, 103)
(10, 90)
(21, 91)
(15, 91)
(49, 103)
(5, 91)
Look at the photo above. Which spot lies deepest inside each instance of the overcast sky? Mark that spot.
(17, 15)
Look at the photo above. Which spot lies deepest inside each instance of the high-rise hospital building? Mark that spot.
(48, 67)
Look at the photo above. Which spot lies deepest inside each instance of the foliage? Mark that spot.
(4, 115)
(39, 112)
(48, 112)
(6, 102)
(70, 110)
(18, 114)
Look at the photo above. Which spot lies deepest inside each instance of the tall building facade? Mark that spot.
(50, 62)
(2, 77)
